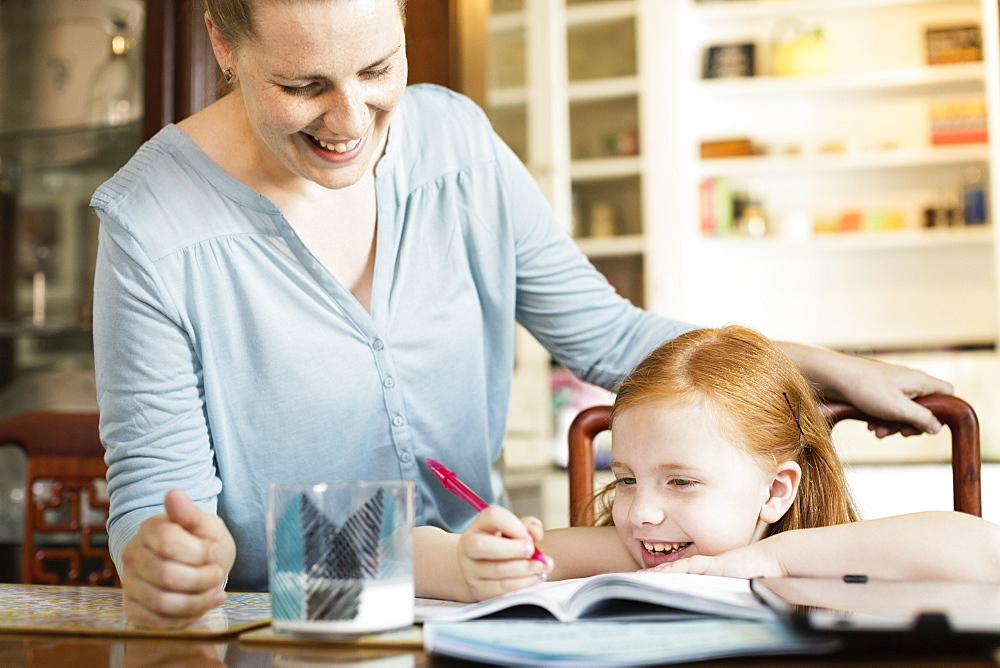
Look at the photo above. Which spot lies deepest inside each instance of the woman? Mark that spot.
(318, 277)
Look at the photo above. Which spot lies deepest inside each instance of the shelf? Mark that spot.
(593, 169)
(507, 22)
(603, 89)
(734, 10)
(880, 81)
(28, 330)
(600, 12)
(505, 98)
(625, 244)
(898, 158)
(576, 15)
(75, 147)
(978, 235)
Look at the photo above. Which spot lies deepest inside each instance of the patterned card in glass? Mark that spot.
(340, 556)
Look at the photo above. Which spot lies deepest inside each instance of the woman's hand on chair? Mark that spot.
(887, 391)
(879, 389)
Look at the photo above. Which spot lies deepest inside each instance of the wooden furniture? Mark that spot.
(50, 650)
(88, 628)
(957, 414)
(63, 449)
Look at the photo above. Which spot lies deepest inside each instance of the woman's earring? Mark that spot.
(228, 75)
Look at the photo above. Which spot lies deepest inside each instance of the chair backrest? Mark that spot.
(59, 546)
(950, 410)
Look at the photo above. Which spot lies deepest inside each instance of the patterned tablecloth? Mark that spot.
(97, 611)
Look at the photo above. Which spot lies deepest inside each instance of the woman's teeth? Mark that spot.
(338, 147)
(664, 548)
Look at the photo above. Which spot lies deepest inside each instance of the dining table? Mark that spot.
(42, 625)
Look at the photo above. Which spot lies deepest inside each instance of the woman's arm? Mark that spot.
(877, 388)
(936, 545)
(173, 564)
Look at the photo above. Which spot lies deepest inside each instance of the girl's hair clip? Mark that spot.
(798, 424)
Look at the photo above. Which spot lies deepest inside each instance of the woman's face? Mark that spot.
(320, 82)
(682, 487)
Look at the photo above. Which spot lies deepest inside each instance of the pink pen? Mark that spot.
(462, 491)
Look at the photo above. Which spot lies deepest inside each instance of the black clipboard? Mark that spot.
(920, 615)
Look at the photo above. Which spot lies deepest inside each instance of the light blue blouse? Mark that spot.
(228, 357)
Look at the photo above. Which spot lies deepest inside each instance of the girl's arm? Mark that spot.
(579, 552)
(494, 556)
(937, 545)
(876, 388)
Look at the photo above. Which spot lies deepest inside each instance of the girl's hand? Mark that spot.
(494, 553)
(752, 561)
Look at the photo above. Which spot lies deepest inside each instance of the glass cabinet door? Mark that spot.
(71, 109)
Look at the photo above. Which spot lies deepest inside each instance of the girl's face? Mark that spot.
(682, 487)
(320, 83)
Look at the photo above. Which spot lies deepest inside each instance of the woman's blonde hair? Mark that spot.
(765, 405)
(234, 18)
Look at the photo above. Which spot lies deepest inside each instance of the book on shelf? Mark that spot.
(717, 207)
(617, 596)
(958, 122)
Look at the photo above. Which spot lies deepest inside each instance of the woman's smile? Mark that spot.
(335, 150)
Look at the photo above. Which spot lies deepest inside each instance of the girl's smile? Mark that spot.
(655, 553)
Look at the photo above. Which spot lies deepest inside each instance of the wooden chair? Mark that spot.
(63, 449)
(950, 410)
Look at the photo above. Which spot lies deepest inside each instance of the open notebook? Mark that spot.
(616, 596)
(615, 619)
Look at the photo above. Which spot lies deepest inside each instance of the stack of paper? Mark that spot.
(606, 643)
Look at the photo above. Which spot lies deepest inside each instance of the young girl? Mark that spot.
(723, 465)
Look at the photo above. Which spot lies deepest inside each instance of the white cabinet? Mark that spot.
(847, 147)
(565, 94)
(605, 102)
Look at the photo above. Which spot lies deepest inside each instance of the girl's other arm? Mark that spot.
(579, 552)
(936, 545)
